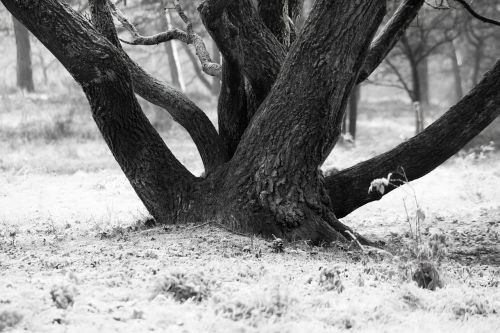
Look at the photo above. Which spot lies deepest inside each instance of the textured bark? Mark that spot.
(275, 17)
(232, 107)
(424, 152)
(24, 69)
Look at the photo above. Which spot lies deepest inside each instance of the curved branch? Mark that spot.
(389, 36)
(476, 15)
(181, 108)
(158, 178)
(421, 154)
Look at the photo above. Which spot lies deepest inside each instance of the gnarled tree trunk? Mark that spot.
(280, 111)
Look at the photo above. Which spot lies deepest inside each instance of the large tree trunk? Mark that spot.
(278, 122)
(24, 68)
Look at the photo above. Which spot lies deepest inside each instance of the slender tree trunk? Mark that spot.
(457, 76)
(476, 66)
(344, 123)
(216, 57)
(417, 96)
(423, 80)
(24, 68)
(353, 110)
(173, 56)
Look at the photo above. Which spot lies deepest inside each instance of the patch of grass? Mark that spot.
(9, 319)
(254, 306)
(183, 287)
(329, 279)
(63, 295)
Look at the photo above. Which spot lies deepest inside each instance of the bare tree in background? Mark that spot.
(280, 111)
(172, 54)
(24, 69)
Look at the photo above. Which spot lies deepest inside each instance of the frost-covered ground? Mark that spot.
(76, 257)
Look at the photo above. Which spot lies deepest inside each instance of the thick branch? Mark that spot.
(389, 36)
(232, 106)
(420, 155)
(243, 38)
(154, 173)
(275, 17)
(182, 109)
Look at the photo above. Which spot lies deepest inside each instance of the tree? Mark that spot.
(427, 34)
(24, 68)
(280, 111)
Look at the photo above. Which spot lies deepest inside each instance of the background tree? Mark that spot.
(24, 69)
(281, 105)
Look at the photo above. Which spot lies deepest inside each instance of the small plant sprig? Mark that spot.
(399, 179)
(425, 273)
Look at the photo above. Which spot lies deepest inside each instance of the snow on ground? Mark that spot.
(75, 256)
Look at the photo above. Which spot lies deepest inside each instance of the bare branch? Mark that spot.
(400, 78)
(190, 37)
(471, 11)
(389, 36)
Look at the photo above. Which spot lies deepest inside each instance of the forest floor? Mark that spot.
(75, 255)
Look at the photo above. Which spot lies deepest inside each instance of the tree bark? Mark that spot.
(24, 69)
(275, 17)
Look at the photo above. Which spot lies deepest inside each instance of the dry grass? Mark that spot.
(74, 255)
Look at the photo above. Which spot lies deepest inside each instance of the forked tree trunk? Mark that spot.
(24, 69)
(279, 117)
